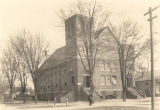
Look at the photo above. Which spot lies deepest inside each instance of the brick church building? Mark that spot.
(62, 75)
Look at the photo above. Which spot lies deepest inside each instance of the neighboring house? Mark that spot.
(143, 83)
(7, 94)
(17, 95)
(62, 74)
(2, 92)
(28, 96)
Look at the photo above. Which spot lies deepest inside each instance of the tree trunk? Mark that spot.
(91, 84)
(24, 97)
(35, 100)
(11, 93)
(23, 90)
(92, 87)
(124, 95)
(35, 93)
(124, 87)
(122, 70)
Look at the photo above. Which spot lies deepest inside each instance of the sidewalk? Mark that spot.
(138, 103)
(107, 103)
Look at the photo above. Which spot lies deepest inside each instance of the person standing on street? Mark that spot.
(90, 99)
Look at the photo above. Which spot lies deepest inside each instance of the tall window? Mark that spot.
(102, 80)
(108, 80)
(73, 80)
(69, 30)
(65, 84)
(114, 80)
(104, 66)
(58, 75)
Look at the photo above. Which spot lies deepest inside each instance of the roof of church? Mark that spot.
(57, 57)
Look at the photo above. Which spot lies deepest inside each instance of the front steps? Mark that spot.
(133, 93)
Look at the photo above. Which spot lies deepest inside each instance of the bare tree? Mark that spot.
(130, 45)
(142, 66)
(30, 47)
(93, 21)
(9, 69)
(3, 85)
(22, 75)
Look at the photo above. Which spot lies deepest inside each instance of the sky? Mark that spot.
(40, 16)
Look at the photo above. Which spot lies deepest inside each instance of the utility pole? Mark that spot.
(152, 55)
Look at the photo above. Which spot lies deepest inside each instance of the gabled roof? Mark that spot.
(147, 76)
(57, 57)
